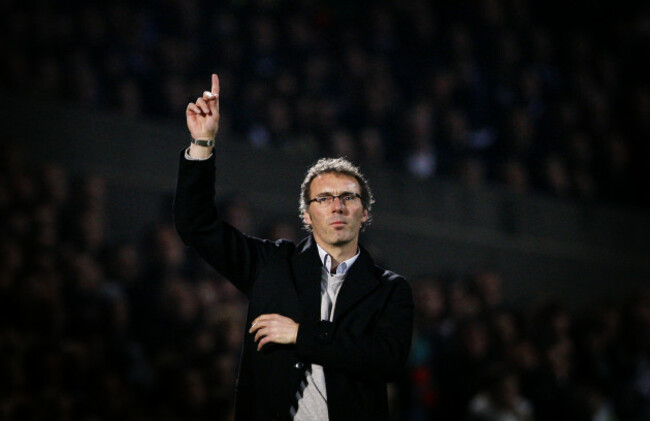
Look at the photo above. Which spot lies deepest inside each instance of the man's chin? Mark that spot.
(342, 240)
(338, 238)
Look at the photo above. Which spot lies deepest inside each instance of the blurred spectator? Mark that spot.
(421, 158)
(282, 228)
(500, 399)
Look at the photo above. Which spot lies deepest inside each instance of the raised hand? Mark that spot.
(203, 115)
(274, 328)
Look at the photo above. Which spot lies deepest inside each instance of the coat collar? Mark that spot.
(307, 268)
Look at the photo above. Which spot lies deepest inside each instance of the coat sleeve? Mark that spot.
(380, 354)
(236, 256)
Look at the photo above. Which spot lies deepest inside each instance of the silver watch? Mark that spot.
(203, 142)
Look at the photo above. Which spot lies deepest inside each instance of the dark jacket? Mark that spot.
(364, 346)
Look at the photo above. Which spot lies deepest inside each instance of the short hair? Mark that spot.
(337, 166)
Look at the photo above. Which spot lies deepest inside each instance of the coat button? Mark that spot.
(299, 365)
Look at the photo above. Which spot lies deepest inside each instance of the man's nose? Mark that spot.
(337, 204)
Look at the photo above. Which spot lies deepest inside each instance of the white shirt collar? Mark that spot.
(342, 268)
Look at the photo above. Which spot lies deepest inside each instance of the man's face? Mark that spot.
(336, 224)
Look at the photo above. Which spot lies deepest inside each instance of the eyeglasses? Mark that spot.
(324, 200)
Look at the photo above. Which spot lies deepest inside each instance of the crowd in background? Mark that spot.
(534, 95)
(91, 329)
(524, 93)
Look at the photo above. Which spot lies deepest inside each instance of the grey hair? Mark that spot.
(337, 166)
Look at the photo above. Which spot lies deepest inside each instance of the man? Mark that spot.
(326, 328)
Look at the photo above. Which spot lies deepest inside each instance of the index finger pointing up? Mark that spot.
(215, 84)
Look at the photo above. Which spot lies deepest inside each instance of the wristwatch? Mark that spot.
(203, 142)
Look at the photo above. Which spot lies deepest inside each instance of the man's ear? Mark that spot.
(364, 218)
(307, 218)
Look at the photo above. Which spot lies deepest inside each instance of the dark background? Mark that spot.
(506, 142)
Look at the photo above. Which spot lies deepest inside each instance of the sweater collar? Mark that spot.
(342, 268)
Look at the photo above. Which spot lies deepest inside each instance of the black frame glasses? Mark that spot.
(325, 200)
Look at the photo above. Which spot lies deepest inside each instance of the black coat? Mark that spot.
(364, 346)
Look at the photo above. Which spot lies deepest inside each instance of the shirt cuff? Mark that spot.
(189, 158)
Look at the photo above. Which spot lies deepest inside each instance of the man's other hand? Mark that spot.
(274, 328)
